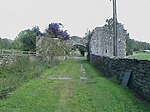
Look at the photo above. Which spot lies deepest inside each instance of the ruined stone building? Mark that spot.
(101, 40)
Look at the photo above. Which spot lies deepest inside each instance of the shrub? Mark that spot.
(14, 74)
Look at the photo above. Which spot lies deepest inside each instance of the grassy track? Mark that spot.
(97, 94)
(143, 56)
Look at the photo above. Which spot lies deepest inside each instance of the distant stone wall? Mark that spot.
(7, 59)
(101, 41)
(115, 68)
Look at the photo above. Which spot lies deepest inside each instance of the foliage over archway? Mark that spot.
(56, 30)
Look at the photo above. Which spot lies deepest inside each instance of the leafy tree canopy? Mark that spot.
(5, 43)
(133, 45)
(26, 40)
(56, 29)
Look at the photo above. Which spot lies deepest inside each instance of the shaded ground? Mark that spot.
(95, 94)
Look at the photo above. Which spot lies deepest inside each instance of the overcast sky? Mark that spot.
(76, 15)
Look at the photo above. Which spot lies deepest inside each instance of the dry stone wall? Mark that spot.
(7, 59)
(115, 68)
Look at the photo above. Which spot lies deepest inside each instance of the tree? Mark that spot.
(56, 30)
(26, 40)
(133, 45)
(5, 43)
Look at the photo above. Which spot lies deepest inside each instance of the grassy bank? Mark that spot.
(142, 56)
(15, 74)
(97, 94)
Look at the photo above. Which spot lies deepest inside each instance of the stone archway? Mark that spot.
(79, 49)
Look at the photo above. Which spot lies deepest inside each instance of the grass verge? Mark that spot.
(97, 94)
(142, 56)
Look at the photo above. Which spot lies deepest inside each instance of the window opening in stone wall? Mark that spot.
(119, 40)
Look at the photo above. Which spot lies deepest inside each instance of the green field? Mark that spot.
(97, 94)
(142, 56)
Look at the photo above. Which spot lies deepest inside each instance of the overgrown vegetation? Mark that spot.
(15, 74)
(52, 48)
(53, 43)
(24, 69)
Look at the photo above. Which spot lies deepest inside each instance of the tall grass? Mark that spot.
(14, 74)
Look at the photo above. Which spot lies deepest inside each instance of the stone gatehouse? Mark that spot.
(101, 40)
